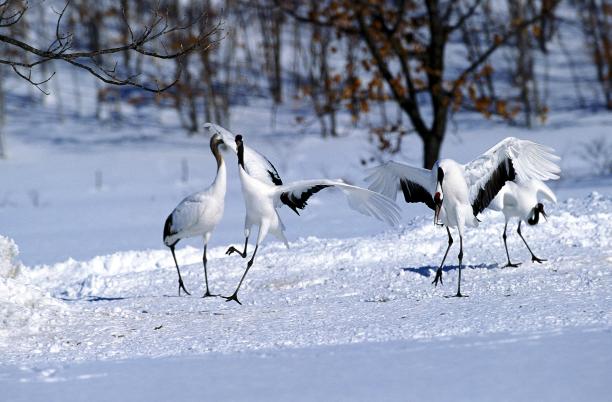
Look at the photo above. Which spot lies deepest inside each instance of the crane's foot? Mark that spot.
(438, 277)
(511, 265)
(208, 294)
(460, 295)
(536, 259)
(233, 297)
(181, 286)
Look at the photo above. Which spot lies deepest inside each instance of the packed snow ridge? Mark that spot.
(319, 292)
(24, 309)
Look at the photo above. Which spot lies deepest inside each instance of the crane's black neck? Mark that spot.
(240, 152)
(535, 218)
(440, 175)
(214, 147)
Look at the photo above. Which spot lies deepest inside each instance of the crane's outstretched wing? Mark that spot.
(296, 195)
(415, 183)
(255, 164)
(511, 159)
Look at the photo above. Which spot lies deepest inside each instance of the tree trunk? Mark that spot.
(125, 8)
(2, 117)
(271, 23)
(277, 87)
(431, 149)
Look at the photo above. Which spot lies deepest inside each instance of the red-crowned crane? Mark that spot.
(522, 201)
(198, 214)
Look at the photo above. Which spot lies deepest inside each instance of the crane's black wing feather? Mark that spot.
(503, 173)
(297, 201)
(414, 192)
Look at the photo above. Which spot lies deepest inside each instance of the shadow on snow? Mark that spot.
(430, 270)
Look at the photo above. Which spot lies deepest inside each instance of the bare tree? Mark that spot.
(156, 39)
(320, 86)
(524, 48)
(271, 21)
(406, 42)
(596, 18)
(2, 114)
(216, 99)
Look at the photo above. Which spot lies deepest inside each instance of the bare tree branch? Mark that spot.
(143, 43)
(464, 17)
(28, 78)
(499, 41)
(11, 19)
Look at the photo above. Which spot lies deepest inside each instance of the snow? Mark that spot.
(564, 366)
(90, 302)
(24, 309)
(9, 266)
(332, 291)
(303, 304)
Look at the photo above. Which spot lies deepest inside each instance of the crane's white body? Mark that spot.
(199, 213)
(262, 189)
(517, 200)
(260, 208)
(456, 210)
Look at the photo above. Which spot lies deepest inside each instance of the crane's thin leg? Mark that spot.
(233, 249)
(460, 262)
(533, 257)
(204, 260)
(180, 279)
(439, 271)
(234, 296)
(509, 264)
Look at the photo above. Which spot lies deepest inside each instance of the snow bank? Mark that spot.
(115, 274)
(9, 265)
(24, 309)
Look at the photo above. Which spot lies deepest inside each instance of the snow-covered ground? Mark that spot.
(566, 366)
(326, 292)
(353, 317)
